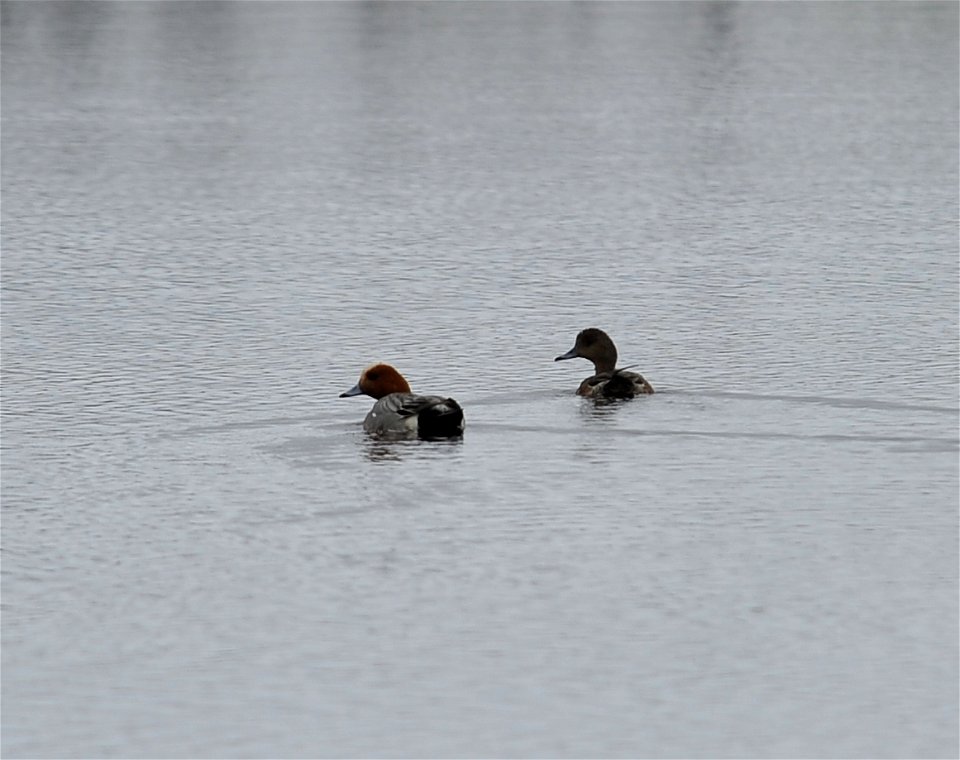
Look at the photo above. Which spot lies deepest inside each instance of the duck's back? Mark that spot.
(616, 384)
(411, 413)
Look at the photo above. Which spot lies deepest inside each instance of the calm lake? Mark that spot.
(216, 214)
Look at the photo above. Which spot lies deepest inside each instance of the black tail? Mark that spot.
(444, 419)
(619, 386)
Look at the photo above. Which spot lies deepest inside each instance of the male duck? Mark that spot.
(607, 381)
(398, 410)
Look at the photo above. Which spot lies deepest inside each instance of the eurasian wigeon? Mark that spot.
(400, 411)
(607, 381)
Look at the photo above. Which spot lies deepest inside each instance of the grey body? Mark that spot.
(414, 414)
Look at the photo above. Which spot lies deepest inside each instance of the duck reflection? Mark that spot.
(601, 410)
(384, 450)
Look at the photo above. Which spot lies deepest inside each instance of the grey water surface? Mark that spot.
(216, 214)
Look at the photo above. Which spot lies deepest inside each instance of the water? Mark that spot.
(215, 215)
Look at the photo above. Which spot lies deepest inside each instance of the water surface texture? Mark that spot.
(216, 214)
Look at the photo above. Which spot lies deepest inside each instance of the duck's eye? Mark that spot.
(371, 376)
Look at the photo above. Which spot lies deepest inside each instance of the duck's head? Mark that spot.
(378, 380)
(595, 345)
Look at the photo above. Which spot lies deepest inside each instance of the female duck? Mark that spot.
(398, 410)
(607, 381)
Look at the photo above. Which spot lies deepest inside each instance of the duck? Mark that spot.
(607, 381)
(399, 411)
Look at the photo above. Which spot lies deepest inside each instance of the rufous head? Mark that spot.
(377, 381)
(595, 345)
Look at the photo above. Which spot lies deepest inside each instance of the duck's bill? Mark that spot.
(354, 391)
(571, 354)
